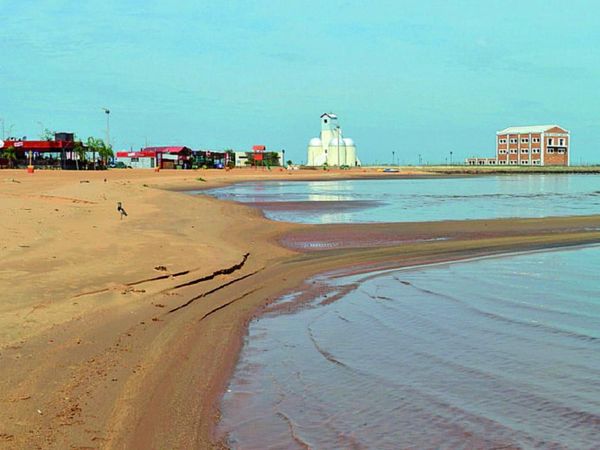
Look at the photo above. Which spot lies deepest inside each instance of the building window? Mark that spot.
(535, 150)
(502, 162)
(535, 140)
(525, 141)
(550, 150)
(524, 162)
(502, 152)
(550, 141)
(513, 151)
(561, 151)
(535, 162)
(561, 141)
(524, 150)
(513, 140)
(513, 162)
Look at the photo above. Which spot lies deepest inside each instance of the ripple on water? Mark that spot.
(494, 353)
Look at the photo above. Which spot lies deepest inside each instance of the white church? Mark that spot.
(331, 148)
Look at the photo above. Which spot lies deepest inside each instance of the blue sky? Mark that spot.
(415, 77)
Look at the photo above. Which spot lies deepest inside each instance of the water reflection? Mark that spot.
(406, 200)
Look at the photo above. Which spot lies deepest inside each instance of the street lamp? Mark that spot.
(393, 158)
(420, 160)
(283, 163)
(107, 112)
(451, 158)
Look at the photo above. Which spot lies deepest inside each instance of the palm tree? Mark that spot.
(105, 153)
(11, 155)
(97, 145)
(79, 150)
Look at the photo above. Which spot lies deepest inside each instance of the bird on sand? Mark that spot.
(121, 210)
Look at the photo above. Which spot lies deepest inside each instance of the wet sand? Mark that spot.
(123, 333)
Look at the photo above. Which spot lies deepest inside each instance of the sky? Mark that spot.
(410, 77)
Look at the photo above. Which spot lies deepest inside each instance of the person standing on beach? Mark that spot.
(121, 210)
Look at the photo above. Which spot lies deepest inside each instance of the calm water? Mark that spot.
(409, 200)
(493, 353)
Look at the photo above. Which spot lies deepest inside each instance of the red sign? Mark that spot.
(18, 144)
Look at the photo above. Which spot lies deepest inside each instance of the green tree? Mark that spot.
(105, 153)
(47, 135)
(79, 150)
(11, 155)
(97, 146)
(269, 159)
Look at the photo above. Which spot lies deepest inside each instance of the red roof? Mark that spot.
(38, 145)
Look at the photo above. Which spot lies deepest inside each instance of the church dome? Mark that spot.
(315, 142)
(334, 142)
(349, 142)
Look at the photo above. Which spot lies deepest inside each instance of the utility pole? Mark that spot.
(107, 112)
(393, 158)
(420, 160)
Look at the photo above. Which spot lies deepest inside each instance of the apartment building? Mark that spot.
(539, 145)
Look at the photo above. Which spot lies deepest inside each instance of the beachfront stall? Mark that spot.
(61, 153)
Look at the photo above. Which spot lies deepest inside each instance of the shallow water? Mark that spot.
(490, 353)
(431, 199)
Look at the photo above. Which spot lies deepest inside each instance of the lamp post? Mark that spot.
(283, 163)
(393, 158)
(420, 160)
(107, 112)
(450, 157)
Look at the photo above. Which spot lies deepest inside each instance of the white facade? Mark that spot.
(137, 162)
(331, 147)
(241, 158)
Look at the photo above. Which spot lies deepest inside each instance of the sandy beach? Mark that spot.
(122, 333)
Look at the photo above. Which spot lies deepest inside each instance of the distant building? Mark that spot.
(331, 147)
(137, 160)
(163, 157)
(244, 159)
(482, 161)
(57, 153)
(539, 145)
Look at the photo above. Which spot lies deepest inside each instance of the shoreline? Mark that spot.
(142, 360)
